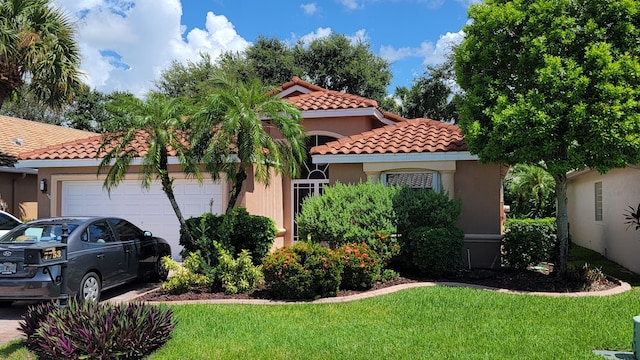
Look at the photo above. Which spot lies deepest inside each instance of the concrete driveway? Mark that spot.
(11, 316)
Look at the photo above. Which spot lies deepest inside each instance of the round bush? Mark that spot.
(302, 271)
(436, 251)
(361, 266)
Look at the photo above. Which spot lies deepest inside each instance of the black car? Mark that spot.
(102, 253)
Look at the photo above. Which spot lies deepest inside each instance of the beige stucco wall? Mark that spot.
(20, 192)
(610, 237)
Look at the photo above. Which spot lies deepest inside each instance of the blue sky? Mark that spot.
(126, 44)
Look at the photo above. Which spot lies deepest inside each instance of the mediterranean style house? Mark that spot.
(351, 139)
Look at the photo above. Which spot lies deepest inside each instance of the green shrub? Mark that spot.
(361, 266)
(302, 271)
(237, 275)
(186, 276)
(90, 330)
(528, 242)
(436, 251)
(424, 208)
(351, 214)
(239, 231)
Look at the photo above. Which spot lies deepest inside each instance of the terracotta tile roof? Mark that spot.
(410, 136)
(331, 100)
(87, 149)
(19, 135)
(297, 81)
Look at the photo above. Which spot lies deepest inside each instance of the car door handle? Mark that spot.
(100, 256)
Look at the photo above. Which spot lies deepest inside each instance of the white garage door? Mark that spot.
(150, 210)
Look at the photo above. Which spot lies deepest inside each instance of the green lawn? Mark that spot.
(422, 323)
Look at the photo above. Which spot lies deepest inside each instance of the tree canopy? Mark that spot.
(553, 83)
(332, 62)
(37, 46)
(431, 95)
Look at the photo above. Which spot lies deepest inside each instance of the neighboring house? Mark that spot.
(19, 186)
(597, 204)
(350, 140)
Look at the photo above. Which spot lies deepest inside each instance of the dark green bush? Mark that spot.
(302, 271)
(240, 231)
(361, 266)
(435, 251)
(528, 242)
(89, 330)
(351, 214)
(416, 208)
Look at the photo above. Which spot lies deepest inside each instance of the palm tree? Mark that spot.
(156, 131)
(37, 43)
(230, 135)
(530, 184)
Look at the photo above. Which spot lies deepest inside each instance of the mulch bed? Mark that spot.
(539, 279)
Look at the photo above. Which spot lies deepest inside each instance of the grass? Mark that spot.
(422, 323)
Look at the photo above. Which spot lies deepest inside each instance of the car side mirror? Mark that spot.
(147, 234)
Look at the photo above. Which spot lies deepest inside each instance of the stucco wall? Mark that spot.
(19, 191)
(610, 237)
(478, 186)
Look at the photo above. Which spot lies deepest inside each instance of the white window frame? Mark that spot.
(597, 192)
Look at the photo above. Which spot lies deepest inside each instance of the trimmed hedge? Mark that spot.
(528, 242)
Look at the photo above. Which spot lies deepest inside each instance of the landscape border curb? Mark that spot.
(623, 287)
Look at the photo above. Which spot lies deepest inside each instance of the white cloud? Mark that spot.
(350, 4)
(444, 47)
(359, 36)
(309, 9)
(318, 34)
(126, 44)
(431, 54)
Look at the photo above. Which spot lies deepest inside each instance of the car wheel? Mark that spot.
(160, 272)
(5, 303)
(90, 288)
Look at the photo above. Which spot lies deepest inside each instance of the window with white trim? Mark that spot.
(416, 180)
(598, 200)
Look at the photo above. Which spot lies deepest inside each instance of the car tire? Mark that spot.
(160, 272)
(90, 287)
(5, 303)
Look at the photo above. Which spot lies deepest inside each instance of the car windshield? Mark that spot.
(36, 233)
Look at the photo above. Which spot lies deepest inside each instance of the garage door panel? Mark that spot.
(150, 210)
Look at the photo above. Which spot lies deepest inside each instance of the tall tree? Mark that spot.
(272, 61)
(335, 63)
(158, 123)
(239, 113)
(192, 80)
(37, 46)
(23, 104)
(555, 84)
(431, 95)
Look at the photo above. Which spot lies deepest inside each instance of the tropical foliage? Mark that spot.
(37, 47)
(530, 192)
(246, 120)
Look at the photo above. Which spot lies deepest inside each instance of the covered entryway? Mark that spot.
(148, 209)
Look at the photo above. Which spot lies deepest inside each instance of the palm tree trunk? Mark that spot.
(241, 176)
(562, 221)
(168, 189)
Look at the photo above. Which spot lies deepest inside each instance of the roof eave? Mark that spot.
(330, 113)
(397, 157)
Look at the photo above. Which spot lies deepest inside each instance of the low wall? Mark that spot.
(481, 251)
